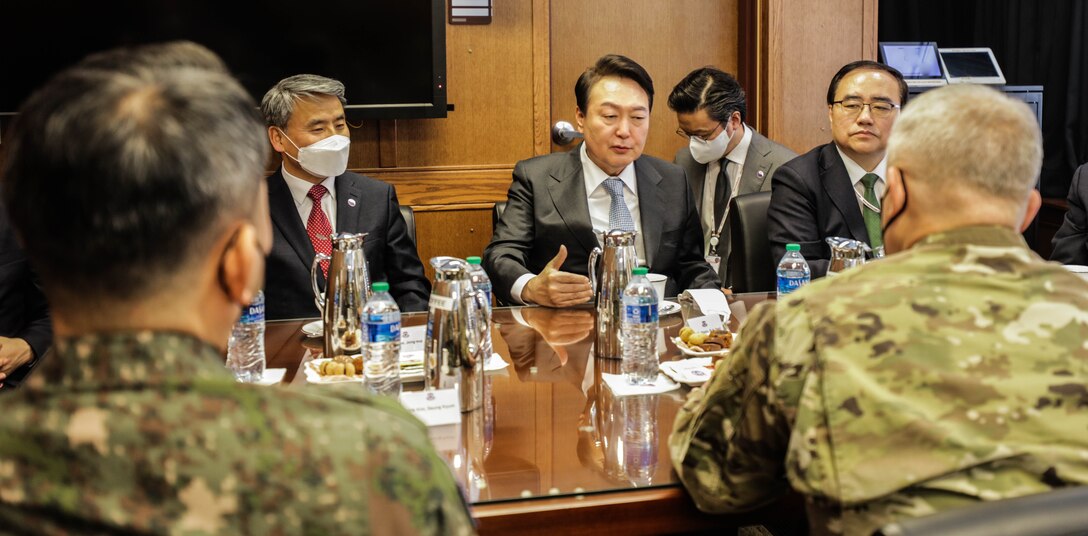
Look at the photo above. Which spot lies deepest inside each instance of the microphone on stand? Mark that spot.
(563, 133)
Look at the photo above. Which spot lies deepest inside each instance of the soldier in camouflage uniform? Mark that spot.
(135, 425)
(951, 372)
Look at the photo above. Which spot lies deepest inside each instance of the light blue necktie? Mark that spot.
(618, 215)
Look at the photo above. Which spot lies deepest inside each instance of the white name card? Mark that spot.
(412, 339)
(705, 323)
(434, 408)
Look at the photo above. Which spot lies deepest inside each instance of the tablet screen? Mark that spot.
(913, 60)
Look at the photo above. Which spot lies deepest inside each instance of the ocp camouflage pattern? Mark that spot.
(148, 433)
(950, 373)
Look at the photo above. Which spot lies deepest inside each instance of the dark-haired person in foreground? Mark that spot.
(312, 195)
(724, 157)
(948, 373)
(541, 245)
(835, 189)
(134, 425)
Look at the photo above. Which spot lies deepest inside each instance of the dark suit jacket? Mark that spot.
(390, 253)
(1071, 241)
(811, 199)
(23, 310)
(547, 206)
(760, 162)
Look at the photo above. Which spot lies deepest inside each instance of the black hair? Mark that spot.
(869, 66)
(612, 65)
(115, 179)
(711, 89)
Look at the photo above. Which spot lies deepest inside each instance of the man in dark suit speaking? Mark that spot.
(835, 189)
(541, 245)
(312, 196)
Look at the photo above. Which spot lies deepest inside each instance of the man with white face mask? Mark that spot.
(313, 195)
(724, 157)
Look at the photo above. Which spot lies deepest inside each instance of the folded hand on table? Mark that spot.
(555, 288)
(14, 353)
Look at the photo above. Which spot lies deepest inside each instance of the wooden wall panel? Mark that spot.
(808, 41)
(669, 39)
(490, 73)
(454, 231)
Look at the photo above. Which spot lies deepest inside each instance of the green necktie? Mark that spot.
(872, 217)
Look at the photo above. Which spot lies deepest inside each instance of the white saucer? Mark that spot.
(666, 307)
(313, 329)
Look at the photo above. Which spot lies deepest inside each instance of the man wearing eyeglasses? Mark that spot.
(835, 189)
(724, 157)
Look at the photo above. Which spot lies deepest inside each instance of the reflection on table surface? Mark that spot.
(549, 426)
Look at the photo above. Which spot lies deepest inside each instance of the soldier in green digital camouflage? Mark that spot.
(136, 187)
(953, 371)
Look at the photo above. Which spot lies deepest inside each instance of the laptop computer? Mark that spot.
(917, 61)
(971, 66)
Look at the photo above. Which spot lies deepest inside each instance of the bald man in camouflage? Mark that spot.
(135, 183)
(951, 372)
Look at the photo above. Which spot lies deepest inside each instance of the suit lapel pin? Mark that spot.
(351, 202)
(759, 174)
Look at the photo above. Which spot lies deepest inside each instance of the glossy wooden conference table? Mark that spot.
(553, 449)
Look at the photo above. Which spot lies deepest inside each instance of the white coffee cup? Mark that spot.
(658, 282)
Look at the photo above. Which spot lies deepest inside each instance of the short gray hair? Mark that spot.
(148, 166)
(969, 136)
(278, 104)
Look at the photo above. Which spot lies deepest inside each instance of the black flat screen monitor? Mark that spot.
(391, 56)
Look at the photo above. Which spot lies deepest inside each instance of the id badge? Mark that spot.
(715, 262)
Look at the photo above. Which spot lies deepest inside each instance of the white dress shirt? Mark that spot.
(600, 203)
(300, 190)
(735, 167)
(856, 172)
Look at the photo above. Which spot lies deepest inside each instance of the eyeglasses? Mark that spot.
(680, 132)
(879, 109)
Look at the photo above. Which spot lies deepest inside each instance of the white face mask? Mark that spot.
(705, 152)
(324, 158)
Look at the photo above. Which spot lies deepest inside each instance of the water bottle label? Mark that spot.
(640, 314)
(253, 312)
(379, 331)
(787, 285)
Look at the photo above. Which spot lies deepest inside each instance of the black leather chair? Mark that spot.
(751, 268)
(409, 220)
(496, 214)
(1057, 513)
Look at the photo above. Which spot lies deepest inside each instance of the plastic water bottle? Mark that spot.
(381, 342)
(638, 331)
(793, 270)
(480, 281)
(245, 349)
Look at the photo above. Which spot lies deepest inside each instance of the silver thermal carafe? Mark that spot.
(609, 277)
(348, 288)
(457, 327)
(845, 253)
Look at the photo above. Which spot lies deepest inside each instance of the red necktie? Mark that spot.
(318, 226)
